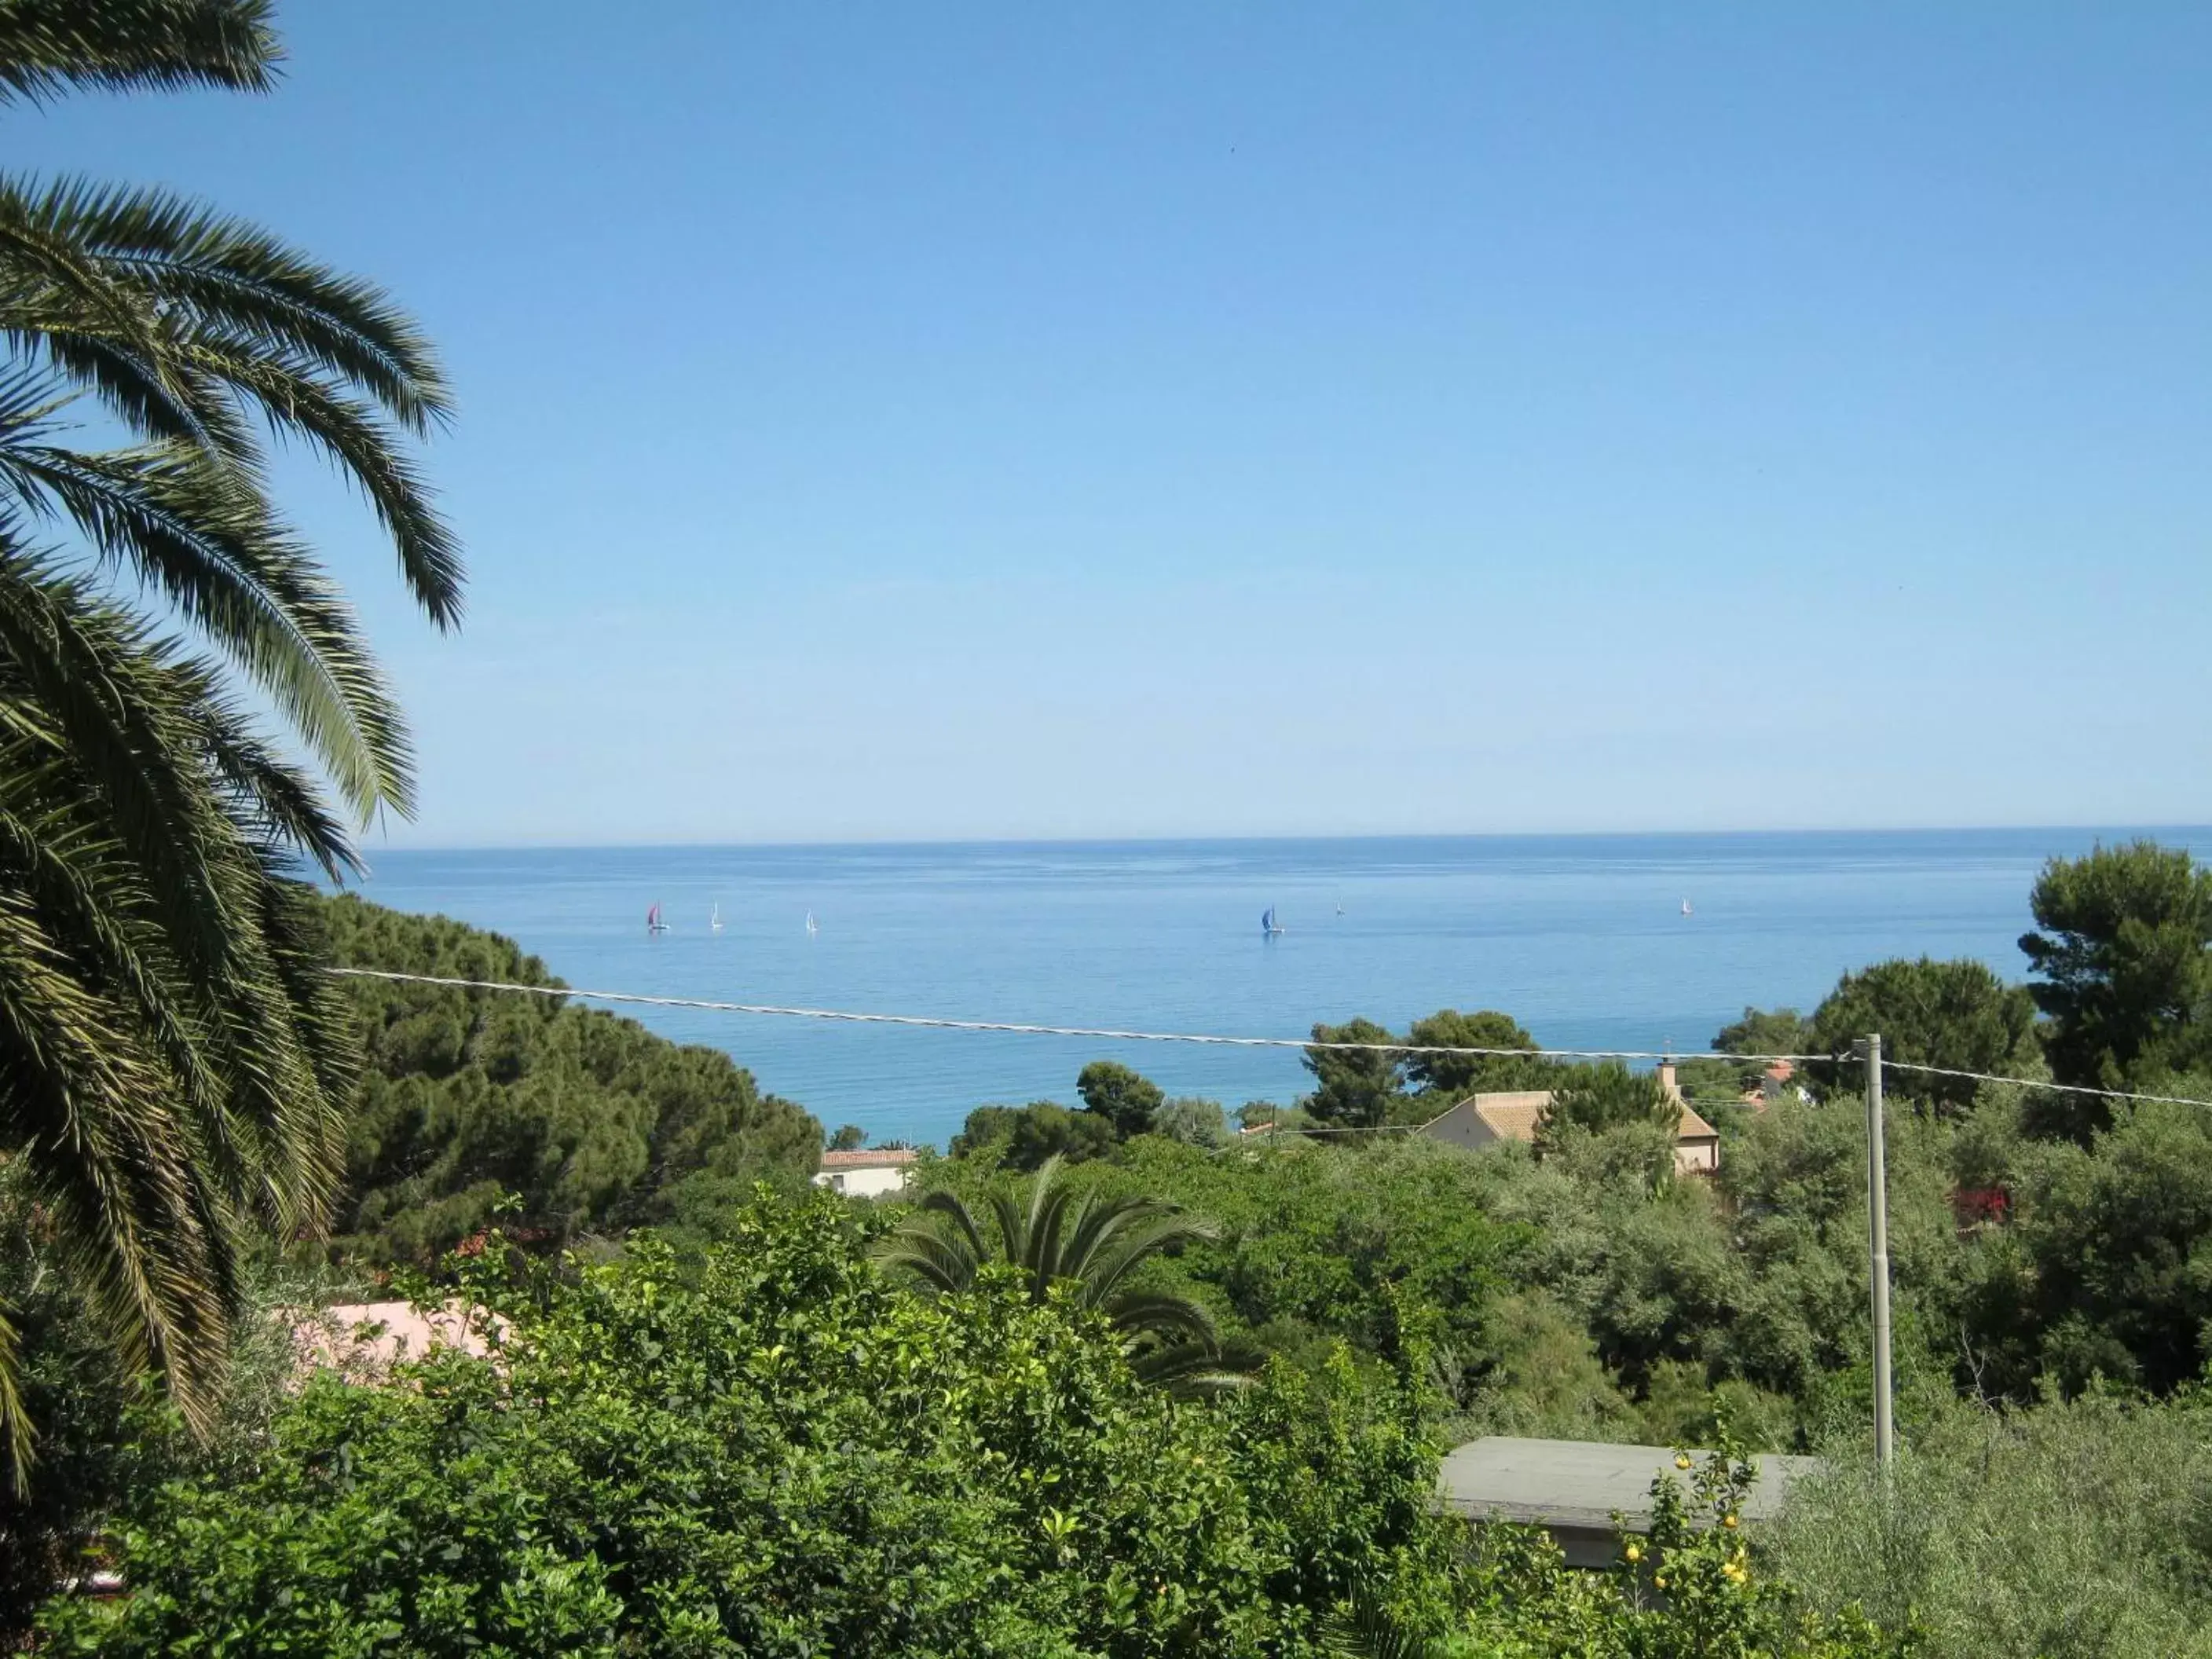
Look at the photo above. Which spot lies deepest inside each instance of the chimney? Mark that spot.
(1667, 1078)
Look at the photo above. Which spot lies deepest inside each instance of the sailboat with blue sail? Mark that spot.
(1269, 927)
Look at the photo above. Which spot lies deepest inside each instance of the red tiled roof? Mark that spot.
(888, 1158)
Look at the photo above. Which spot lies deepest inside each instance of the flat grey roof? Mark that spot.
(1581, 1483)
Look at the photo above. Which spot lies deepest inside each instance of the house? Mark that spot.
(866, 1174)
(1513, 1115)
(1576, 1489)
(1775, 1083)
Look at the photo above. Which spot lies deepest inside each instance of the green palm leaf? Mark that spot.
(46, 45)
(1060, 1237)
(174, 1059)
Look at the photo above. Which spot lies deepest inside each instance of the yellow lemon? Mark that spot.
(1660, 1579)
(1682, 1459)
(1729, 1522)
(1633, 1554)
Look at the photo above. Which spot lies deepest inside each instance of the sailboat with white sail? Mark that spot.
(714, 922)
(812, 928)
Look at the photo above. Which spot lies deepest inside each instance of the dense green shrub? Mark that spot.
(2068, 1531)
(1123, 1096)
(1317, 1246)
(1022, 1138)
(2107, 1266)
(1958, 1015)
(783, 1453)
(106, 1437)
(471, 1096)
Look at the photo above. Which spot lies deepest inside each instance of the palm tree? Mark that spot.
(172, 1059)
(1091, 1245)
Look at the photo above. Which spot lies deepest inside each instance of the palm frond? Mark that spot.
(1144, 1238)
(1160, 1314)
(925, 1255)
(224, 274)
(949, 1206)
(170, 1058)
(180, 521)
(47, 45)
(1191, 1370)
(1363, 1629)
(1058, 1236)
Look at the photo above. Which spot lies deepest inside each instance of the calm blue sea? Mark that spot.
(1581, 938)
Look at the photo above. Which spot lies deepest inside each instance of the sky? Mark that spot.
(964, 420)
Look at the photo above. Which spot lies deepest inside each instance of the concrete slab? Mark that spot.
(1573, 1488)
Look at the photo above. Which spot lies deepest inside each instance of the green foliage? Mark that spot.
(1356, 1087)
(786, 1455)
(108, 1436)
(2121, 966)
(471, 1096)
(2070, 1531)
(1087, 1246)
(47, 46)
(191, 331)
(1454, 1076)
(1690, 1589)
(1025, 1138)
(1270, 1115)
(173, 1065)
(1597, 1098)
(848, 1138)
(1314, 1246)
(2106, 1267)
(1710, 1081)
(1121, 1095)
(1767, 1031)
(1194, 1121)
(1953, 1014)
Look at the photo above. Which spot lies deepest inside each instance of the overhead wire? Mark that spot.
(1112, 1034)
(931, 1022)
(2037, 1083)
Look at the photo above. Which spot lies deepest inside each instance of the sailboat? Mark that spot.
(1269, 927)
(1685, 906)
(812, 929)
(653, 924)
(716, 920)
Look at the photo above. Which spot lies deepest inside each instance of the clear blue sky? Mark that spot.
(946, 421)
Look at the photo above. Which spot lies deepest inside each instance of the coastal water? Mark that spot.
(1581, 938)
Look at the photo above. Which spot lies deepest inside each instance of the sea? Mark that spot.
(1585, 939)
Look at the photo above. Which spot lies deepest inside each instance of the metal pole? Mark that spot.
(1878, 1242)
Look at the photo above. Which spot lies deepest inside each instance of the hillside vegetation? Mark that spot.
(749, 1437)
(557, 1119)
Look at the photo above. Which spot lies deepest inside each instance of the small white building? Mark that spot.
(866, 1174)
(1513, 1115)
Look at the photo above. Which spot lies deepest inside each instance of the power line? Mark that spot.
(933, 1022)
(2037, 1083)
(930, 1022)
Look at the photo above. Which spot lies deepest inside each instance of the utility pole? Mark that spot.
(1885, 1447)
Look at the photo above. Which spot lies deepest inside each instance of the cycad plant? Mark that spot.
(1091, 1245)
(172, 1059)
